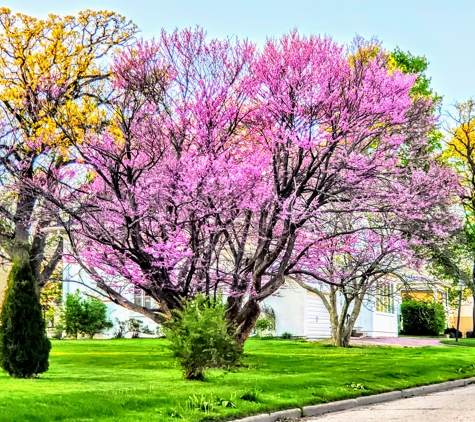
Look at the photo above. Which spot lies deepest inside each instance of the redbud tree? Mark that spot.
(221, 168)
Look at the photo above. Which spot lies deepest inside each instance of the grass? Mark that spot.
(137, 380)
(466, 342)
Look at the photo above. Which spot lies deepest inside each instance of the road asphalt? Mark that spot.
(447, 406)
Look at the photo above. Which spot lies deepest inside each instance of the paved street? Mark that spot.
(447, 406)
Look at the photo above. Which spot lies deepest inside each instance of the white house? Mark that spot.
(297, 310)
(303, 314)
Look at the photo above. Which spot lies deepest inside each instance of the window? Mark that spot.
(385, 299)
(141, 299)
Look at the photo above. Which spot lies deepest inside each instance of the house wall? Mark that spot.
(302, 313)
(288, 304)
(384, 325)
(466, 316)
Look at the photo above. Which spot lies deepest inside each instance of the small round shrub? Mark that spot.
(201, 338)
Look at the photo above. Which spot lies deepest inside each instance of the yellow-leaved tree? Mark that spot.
(54, 76)
(456, 260)
(53, 80)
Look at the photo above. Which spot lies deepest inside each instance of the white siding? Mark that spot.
(384, 325)
(288, 306)
(317, 318)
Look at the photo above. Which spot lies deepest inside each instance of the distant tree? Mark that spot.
(94, 319)
(86, 316)
(416, 65)
(50, 299)
(456, 259)
(52, 75)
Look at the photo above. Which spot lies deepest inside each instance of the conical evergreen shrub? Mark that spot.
(24, 347)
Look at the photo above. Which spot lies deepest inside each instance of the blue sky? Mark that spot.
(443, 31)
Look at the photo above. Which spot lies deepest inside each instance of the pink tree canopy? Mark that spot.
(221, 168)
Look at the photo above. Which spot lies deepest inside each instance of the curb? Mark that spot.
(341, 405)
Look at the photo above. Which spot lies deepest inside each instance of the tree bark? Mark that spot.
(245, 321)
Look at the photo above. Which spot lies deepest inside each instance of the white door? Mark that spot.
(317, 318)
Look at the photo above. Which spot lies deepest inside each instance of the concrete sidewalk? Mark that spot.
(447, 406)
(397, 341)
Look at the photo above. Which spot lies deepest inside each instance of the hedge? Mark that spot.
(422, 318)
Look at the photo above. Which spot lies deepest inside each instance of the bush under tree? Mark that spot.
(201, 338)
(422, 318)
(85, 316)
(24, 346)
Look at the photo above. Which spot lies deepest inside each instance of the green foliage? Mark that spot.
(50, 299)
(286, 335)
(262, 324)
(72, 315)
(24, 347)
(84, 316)
(201, 338)
(251, 395)
(356, 386)
(422, 318)
(409, 63)
(265, 324)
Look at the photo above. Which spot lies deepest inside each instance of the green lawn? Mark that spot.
(466, 342)
(137, 380)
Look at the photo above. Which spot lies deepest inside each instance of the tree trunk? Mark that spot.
(194, 374)
(342, 325)
(251, 313)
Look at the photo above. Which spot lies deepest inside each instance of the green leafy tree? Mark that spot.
(94, 319)
(72, 314)
(201, 338)
(84, 316)
(406, 62)
(24, 347)
(456, 259)
(50, 299)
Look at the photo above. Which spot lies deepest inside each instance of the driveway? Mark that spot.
(447, 406)
(397, 341)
